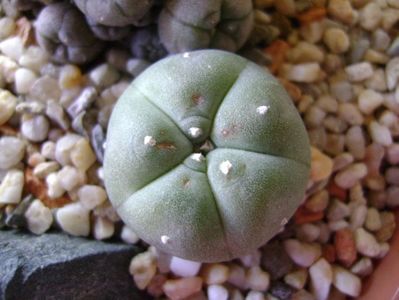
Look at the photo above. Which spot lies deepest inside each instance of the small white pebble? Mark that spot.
(103, 228)
(8, 103)
(7, 27)
(215, 273)
(54, 188)
(104, 75)
(143, 268)
(303, 254)
(11, 187)
(257, 279)
(70, 178)
(186, 54)
(225, 167)
(183, 267)
(308, 232)
(370, 16)
(35, 128)
(348, 177)
(12, 47)
(262, 109)
(380, 134)
(255, 295)
(373, 219)
(34, 58)
(363, 267)
(384, 249)
(43, 169)
(197, 157)
(359, 71)
(8, 67)
(369, 100)
(195, 132)
(24, 79)
(149, 140)
(91, 196)
(38, 217)
(306, 72)
(366, 243)
(82, 155)
(48, 150)
(336, 40)
(358, 216)
(64, 147)
(217, 292)
(392, 73)
(129, 236)
(296, 279)
(70, 76)
(74, 219)
(12, 150)
(346, 282)
(321, 277)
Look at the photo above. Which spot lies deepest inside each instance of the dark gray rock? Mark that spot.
(275, 260)
(281, 290)
(57, 266)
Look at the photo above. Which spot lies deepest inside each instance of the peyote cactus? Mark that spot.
(61, 30)
(116, 12)
(108, 33)
(206, 156)
(145, 44)
(186, 25)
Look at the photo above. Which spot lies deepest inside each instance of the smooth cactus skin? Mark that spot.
(56, 31)
(186, 25)
(235, 198)
(115, 12)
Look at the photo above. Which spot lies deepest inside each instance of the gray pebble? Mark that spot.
(17, 219)
(98, 141)
(84, 100)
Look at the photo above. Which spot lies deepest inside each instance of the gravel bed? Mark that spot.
(339, 61)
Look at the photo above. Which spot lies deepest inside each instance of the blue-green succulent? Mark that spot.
(206, 157)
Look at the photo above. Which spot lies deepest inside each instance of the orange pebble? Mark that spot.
(328, 252)
(311, 15)
(336, 191)
(345, 247)
(302, 216)
(277, 51)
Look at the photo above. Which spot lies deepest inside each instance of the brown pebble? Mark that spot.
(345, 247)
(388, 227)
(329, 253)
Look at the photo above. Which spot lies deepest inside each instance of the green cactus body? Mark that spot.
(186, 25)
(223, 203)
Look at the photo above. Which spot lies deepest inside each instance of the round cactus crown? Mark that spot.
(206, 156)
